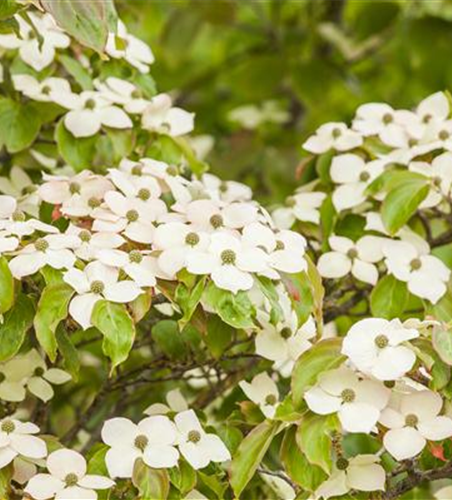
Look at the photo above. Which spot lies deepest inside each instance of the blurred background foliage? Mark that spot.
(293, 64)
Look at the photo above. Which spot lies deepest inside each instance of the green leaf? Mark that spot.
(16, 323)
(188, 299)
(7, 286)
(77, 152)
(268, 288)
(301, 295)
(297, 466)
(322, 166)
(117, 327)
(219, 335)
(8, 8)
(183, 477)
(235, 310)
(52, 308)
(77, 71)
(323, 356)
(151, 483)
(402, 202)
(69, 352)
(250, 454)
(391, 179)
(88, 22)
(314, 439)
(389, 298)
(169, 339)
(19, 124)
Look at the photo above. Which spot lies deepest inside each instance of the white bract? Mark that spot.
(412, 420)
(263, 391)
(301, 206)
(67, 479)
(161, 116)
(333, 136)
(17, 439)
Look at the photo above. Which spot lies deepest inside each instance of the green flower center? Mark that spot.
(46, 90)
(132, 215)
(387, 118)
(427, 118)
(228, 257)
(390, 384)
(135, 257)
(348, 395)
(364, 176)
(444, 135)
(194, 436)
(412, 142)
(271, 400)
(337, 132)
(8, 426)
(415, 264)
(436, 181)
(411, 420)
(97, 287)
(172, 170)
(71, 479)
(381, 341)
(39, 371)
(137, 170)
(85, 236)
(223, 187)
(341, 463)
(2, 377)
(286, 333)
(94, 202)
(352, 253)
(216, 221)
(136, 94)
(192, 239)
(291, 201)
(41, 245)
(141, 442)
(74, 188)
(90, 104)
(144, 194)
(18, 216)
(280, 245)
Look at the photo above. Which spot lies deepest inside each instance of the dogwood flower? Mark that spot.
(375, 347)
(354, 175)
(16, 439)
(97, 282)
(333, 136)
(227, 191)
(301, 206)
(412, 420)
(229, 262)
(263, 391)
(67, 478)
(37, 53)
(19, 185)
(40, 90)
(51, 250)
(362, 473)
(90, 244)
(196, 446)
(123, 45)
(425, 275)
(124, 93)
(161, 116)
(357, 402)
(153, 440)
(433, 110)
(175, 402)
(358, 258)
(251, 117)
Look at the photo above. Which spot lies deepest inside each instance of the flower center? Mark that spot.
(390, 384)
(364, 176)
(415, 264)
(286, 332)
(18, 216)
(2, 377)
(444, 135)
(280, 245)
(29, 189)
(90, 104)
(94, 202)
(74, 188)
(135, 257)
(8, 426)
(228, 257)
(137, 170)
(348, 395)
(97, 287)
(341, 463)
(387, 118)
(271, 400)
(352, 253)
(144, 194)
(132, 215)
(194, 436)
(412, 142)
(39, 371)
(411, 420)
(216, 221)
(71, 479)
(171, 170)
(381, 341)
(141, 442)
(427, 118)
(223, 187)
(85, 236)
(136, 94)
(337, 132)
(41, 245)
(436, 181)
(46, 90)
(291, 201)
(192, 239)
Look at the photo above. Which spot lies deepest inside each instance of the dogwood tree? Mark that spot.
(163, 335)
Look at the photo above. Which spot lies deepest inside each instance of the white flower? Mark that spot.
(333, 136)
(37, 53)
(357, 402)
(67, 479)
(51, 250)
(122, 45)
(137, 265)
(362, 473)
(262, 391)
(229, 262)
(425, 275)
(176, 402)
(96, 282)
(16, 439)
(195, 445)
(250, 116)
(413, 419)
(354, 175)
(358, 258)
(40, 90)
(432, 111)
(23, 189)
(161, 116)
(301, 206)
(152, 440)
(227, 191)
(89, 111)
(141, 186)
(373, 345)
(90, 244)
(124, 93)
